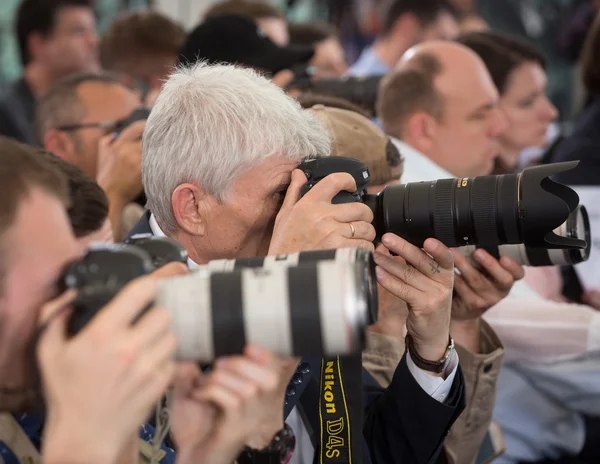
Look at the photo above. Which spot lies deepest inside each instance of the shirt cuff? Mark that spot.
(436, 387)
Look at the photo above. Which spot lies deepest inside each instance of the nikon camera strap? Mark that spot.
(341, 410)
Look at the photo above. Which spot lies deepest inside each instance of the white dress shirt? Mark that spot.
(436, 387)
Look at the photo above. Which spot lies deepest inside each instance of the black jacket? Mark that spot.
(402, 423)
(584, 145)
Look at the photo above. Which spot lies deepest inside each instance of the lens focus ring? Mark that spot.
(443, 220)
(483, 209)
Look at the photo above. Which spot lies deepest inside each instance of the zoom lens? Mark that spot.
(361, 258)
(577, 226)
(304, 304)
(483, 211)
(316, 309)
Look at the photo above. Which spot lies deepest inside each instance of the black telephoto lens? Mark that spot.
(484, 211)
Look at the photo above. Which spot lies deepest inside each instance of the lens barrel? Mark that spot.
(316, 309)
(484, 211)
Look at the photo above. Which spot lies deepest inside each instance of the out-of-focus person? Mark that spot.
(77, 119)
(268, 17)
(518, 72)
(142, 45)
(234, 192)
(356, 137)
(405, 23)
(584, 142)
(88, 204)
(56, 38)
(329, 59)
(445, 108)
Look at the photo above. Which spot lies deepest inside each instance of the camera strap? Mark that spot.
(341, 410)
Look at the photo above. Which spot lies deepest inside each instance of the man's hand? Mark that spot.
(314, 223)
(101, 384)
(213, 416)
(423, 279)
(477, 291)
(120, 170)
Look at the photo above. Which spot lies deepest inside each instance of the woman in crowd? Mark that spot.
(518, 70)
(583, 144)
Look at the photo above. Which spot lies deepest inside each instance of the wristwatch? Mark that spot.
(279, 451)
(431, 366)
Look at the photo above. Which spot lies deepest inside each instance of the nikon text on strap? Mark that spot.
(340, 410)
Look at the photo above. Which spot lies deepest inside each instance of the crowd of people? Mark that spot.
(197, 136)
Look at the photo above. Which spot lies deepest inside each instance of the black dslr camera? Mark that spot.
(484, 211)
(106, 269)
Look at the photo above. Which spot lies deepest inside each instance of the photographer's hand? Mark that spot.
(120, 169)
(477, 291)
(314, 223)
(423, 279)
(101, 384)
(213, 416)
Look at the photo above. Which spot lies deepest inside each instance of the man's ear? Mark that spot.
(191, 205)
(61, 144)
(422, 129)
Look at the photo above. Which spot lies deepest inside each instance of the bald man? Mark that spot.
(442, 104)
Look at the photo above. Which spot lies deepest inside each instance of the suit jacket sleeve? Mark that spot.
(480, 373)
(403, 424)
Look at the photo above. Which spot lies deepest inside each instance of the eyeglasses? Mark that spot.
(107, 127)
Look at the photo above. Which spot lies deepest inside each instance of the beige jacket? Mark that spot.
(383, 353)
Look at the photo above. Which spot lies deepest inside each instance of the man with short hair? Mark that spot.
(233, 189)
(405, 24)
(143, 46)
(77, 119)
(56, 38)
(441, 106)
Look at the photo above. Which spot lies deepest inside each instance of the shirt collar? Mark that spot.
(417, 166)
(158, 232)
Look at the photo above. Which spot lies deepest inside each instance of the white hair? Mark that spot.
(211, 123)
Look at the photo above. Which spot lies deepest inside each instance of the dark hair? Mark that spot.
(309, 99)
(21, 170)
(404, 92)
(427, 11)
(250, 9)
(61, 106)
(135, 42)
(88, 207)
(309, 34)
(40, 16)
(501, 53)
(590, 59)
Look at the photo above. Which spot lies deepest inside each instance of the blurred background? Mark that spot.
(556, 27)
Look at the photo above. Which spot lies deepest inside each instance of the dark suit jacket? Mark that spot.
(17, 112)
(584, 145)
(402, 423)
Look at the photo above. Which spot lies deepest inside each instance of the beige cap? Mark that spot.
(355, 136)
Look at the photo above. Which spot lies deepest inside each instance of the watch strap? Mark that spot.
(430, 366)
